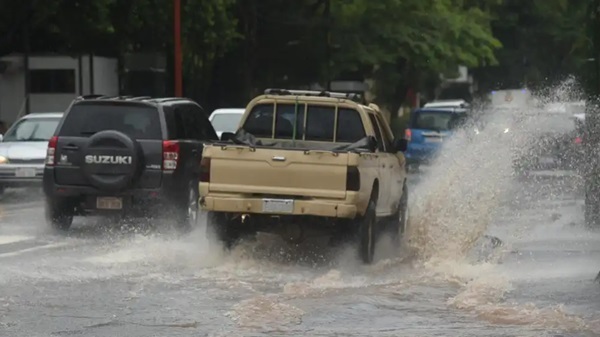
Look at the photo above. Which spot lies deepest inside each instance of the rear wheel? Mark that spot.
(396, 225)
(59, 215)
(366, 230)
(221, 230)
(187, 213)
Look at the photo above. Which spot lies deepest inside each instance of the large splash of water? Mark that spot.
(453, 205)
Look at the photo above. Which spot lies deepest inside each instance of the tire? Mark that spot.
(396, 224)
(367, 233)
(220, 230)
(188, 212)
(59, 216)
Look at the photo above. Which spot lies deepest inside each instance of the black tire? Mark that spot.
(59, 215)
(221, 230)
(189, 210)
(367, 233)
(396, 224)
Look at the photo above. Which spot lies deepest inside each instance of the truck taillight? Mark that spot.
(352, 179)
(205, 170)
(170, 155)
(51, 151)
(408, 134)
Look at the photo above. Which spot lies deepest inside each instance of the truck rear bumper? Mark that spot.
(320, 207)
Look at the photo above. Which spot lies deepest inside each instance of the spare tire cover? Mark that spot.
(111, 160)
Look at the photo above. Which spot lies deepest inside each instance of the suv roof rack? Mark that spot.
(344, 95)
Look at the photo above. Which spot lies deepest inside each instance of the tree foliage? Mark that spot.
(235, 48)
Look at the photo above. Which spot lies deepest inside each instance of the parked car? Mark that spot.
(23, 149)
(134, 157)
(426, 131)
(226, 120)
(306, 164)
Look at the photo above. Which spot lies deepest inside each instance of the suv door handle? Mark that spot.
(70, 147)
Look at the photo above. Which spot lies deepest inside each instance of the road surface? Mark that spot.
(132, 280)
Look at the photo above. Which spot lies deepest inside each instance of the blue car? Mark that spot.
(426, 131)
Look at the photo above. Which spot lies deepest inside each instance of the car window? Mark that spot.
(380, 142)
(226, 122)
(188, 121)
(32, 129)
(350, 128)
(320, 123)
(387, 140)
(438, 120)
(136, 121)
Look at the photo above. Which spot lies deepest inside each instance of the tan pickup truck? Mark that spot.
(303, 164)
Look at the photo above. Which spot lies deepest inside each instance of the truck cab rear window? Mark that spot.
(136, 121)
(320, 123)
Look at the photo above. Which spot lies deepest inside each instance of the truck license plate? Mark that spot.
(25, 172)
(109, 203)
(278, 205)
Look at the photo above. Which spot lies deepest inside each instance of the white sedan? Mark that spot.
(23, 149)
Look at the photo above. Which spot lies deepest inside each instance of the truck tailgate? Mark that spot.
(277, 172)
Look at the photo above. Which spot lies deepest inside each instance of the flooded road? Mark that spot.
(113, 280)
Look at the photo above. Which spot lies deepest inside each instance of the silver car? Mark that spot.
(23, 149)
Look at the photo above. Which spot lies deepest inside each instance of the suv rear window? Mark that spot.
(320, 123)
(136, 121)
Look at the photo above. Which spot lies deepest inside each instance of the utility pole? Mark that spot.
(177, 42)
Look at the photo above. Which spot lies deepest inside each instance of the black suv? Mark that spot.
(126, 156)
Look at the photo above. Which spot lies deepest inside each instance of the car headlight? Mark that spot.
(3, 160)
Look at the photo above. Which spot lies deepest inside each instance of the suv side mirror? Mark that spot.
(400, 144)
(227, 136)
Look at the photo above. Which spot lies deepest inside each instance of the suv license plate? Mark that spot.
(109, 203)
(278, 205)
(25, 172)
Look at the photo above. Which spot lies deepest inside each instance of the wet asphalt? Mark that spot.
(107, 279)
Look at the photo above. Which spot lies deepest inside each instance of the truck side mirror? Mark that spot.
(400, 144)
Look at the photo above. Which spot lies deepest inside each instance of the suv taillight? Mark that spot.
(408, 134)
(170, 155)
(205, 170)
(352, 179)
(51, 151)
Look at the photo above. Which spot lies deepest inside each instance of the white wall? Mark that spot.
(106, 76)
(53, 102)
(12, 83)
(12, 90)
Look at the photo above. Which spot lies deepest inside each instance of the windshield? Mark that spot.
(438, 120)
(226, 122)
(32, 130)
